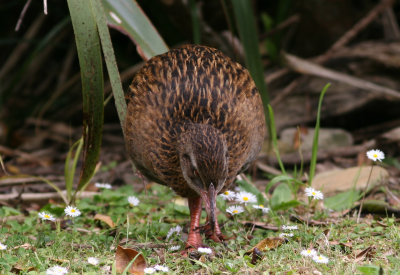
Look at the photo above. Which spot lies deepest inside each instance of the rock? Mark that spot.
(342, 180)
(393, 135)
(328, 139)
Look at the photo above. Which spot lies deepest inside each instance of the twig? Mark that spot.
(42, 196)
(45, 6)
(291, 20)
(365, 192)
(286, 91)
(10, 181)
(347, 151)
(350, 34)
(275, 75)
(306, 67)
(3, 166)
(342, 41)
(391, 28)
(268, 169)
(10, 152)
(22, 15)
(17, 53)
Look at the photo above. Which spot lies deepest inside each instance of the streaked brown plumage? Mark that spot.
(194, 121)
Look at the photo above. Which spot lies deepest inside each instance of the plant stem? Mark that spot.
(365, 192)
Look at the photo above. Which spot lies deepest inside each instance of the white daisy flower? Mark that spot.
(375, 155)
(45, 216)
(320, 259)
(57, 270)
(149, 270)
(289, 227)
(246, 197)
(177, 229)
(72, 211)
(161, 268)
(234, 209)
(228, 195)
(204, 250)
(308, 253)
(283, 235)
(3, 246)
(103, 185)
(311, 192)
(263, 209)
(93, 261)
(133, 201)
(175, 248)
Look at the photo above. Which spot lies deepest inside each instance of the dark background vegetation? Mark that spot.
(42, 85)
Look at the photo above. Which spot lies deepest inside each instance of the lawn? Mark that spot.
(35, 245)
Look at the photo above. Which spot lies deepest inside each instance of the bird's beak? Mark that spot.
(209, 198)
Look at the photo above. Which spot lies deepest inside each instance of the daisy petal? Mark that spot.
(375, 155)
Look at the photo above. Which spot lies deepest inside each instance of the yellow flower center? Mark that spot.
(226, 193)
(235, 211)
(261, 205)
(73, 210)
(313, 193)
(46, 216)
(245, 198)
(375, 155)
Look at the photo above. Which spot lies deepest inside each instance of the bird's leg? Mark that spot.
(216, 234)
(194, 239)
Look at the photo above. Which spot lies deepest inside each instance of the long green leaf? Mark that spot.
(246, 25)
(314, 153)
(90, 60)
(274, 138)
(277, 179)
(69, 170)
(109, 57)
(194, 13)
(55, 188)
(127, 17)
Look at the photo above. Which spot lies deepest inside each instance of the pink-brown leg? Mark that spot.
(217, 235)
(194, 238)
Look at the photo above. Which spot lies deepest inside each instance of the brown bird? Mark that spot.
(194, 121)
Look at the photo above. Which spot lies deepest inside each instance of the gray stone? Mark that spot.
(342, 180)
(328, 139)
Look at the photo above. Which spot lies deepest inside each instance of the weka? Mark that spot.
(194, 121)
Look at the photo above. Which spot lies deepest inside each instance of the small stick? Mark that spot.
(45, 6)
(350, 34)
(22, 15)
(365, 192)
(291, 20)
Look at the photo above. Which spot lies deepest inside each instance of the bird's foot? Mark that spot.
(191, 250)
(195, 253)
(215, 234)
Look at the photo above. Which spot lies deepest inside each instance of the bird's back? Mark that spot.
(192, 84)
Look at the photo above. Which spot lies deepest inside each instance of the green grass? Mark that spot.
(149, 222)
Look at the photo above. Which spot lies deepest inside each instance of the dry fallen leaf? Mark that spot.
(123, 256)
(106, 219)
(261, 225)
(267, 244)
(26, 246)
(366, 253)
(21, 268)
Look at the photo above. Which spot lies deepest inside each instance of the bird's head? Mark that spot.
(203, 158)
